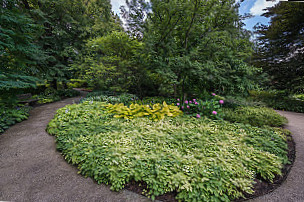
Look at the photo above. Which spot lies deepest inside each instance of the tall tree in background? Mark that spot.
(67, 25)
(19, 54)
(280, 49)
(194, 45)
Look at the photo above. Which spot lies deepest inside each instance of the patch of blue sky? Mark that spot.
(254, 7)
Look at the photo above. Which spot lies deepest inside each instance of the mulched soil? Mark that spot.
(261, 187)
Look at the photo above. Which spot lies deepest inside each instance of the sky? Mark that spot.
(254, 7)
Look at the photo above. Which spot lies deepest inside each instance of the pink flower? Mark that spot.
(182, 107)
(194, 100)
(188, 106)
(190, 102)
(198, 116)
(177, 104)
(221, 102)
(214, 112)
(213, 94)
(196, 103)
(178, 99)
(186, 102)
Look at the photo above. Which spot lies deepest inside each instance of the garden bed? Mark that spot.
(185, 158)
(261, 187)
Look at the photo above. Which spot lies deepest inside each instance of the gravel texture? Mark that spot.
(32, 170)
(292, 190)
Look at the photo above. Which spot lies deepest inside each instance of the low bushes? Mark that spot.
(201, 159)
(255, 116)
(52, 95)
(278, 100)
(110, 97)
(11, 116)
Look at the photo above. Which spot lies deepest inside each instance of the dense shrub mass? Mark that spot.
(52, 95)
(201, 159)
(110, 97)
(255, 116)
(278, 100)
(11, 116)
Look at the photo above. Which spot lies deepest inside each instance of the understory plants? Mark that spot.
(52, 95)
(110, 97)
(12, 115)
(255, 116)
(200, 159)
(278, 100)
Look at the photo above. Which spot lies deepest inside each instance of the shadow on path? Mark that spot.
(32, 170)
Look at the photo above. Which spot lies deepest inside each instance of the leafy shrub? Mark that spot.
(156, 112)
(154, 100)
(110, 97)
(234, 102)
(11, 116)
(201, 159)
(278, 100)
(68, 93)
(299, 97)
(76, 83)
(211, 107)
(52, 95)
(255, 116)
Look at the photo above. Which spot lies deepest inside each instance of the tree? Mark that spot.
(195, 45)
(280, 46)
(112, 63)
(67, 25)
(18, 52)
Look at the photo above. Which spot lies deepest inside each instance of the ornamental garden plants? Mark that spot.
(193, 152)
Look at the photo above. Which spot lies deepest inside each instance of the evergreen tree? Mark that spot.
(280, 46)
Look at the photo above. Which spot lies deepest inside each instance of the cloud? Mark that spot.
(116, 5)
(259, 5)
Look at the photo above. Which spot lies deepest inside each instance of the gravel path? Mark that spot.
(293, 188)
(32, 170)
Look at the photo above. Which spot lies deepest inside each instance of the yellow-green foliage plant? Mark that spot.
(156, 112)
(200, 159)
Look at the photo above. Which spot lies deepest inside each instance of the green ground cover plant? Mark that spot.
(200, 158)
(110, 97)
(11, 116)
(52, 95)
(156, 112)
(255, 116)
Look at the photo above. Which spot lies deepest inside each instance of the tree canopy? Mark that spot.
(280, 46)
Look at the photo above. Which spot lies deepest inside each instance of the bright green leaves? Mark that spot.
(156, 112)
(201, 159)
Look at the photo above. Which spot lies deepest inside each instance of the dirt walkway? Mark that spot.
(293, 188)
(32, 170)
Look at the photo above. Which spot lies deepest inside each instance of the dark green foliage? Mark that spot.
(255, 116)
(236, 101)
(110, 97)
(18, 52)
(11, 116)
(280, 46)
(201, 159)
(197, 45)
(278, 100)
(52, 95)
